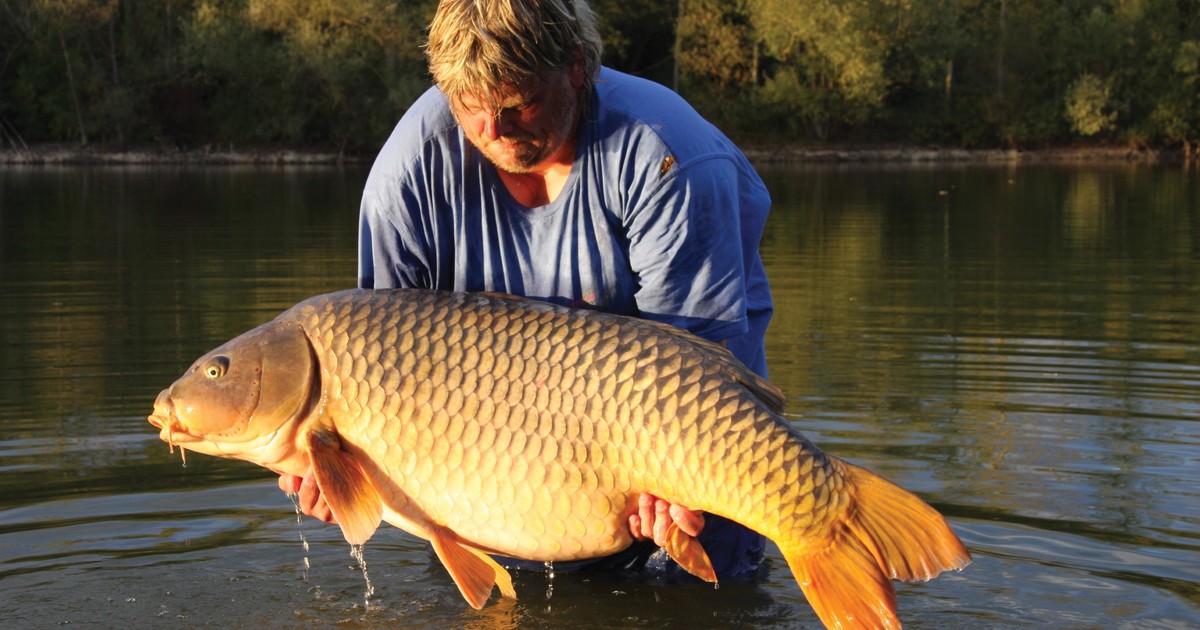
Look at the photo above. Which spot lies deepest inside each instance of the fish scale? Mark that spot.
(492, 424)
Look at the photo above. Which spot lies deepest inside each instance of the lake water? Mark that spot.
(1018, 345)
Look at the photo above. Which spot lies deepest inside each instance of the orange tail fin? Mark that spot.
(885, 533)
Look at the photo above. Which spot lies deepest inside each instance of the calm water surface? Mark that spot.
(1019, 346)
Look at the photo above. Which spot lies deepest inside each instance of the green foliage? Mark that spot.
(1177, 115)
(716, 48)
(332, 72)
(1089, 107)
(337, 74)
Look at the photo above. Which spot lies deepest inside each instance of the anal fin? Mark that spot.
(688, 553)
(473, 571)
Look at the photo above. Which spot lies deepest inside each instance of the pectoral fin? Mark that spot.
(689, 554)
(347, 489)
(473, 571)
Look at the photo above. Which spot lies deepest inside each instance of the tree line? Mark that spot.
(337, 74)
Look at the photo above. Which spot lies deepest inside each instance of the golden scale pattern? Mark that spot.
(529, 429)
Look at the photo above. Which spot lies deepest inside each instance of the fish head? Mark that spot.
(241, 398)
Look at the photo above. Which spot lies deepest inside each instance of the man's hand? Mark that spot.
(309, 495)
(655, 515)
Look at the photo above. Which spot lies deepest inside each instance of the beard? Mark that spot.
(521, 152)
(517, 154)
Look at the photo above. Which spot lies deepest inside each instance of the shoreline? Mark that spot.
(66, 155)
(901, 155)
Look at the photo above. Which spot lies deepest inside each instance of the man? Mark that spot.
(530, 169)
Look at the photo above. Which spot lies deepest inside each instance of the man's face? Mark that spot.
(534, 127)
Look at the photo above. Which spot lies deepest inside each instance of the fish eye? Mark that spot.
(216, 367)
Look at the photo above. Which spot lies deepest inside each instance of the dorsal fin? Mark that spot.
(762, 388)
(766, 391)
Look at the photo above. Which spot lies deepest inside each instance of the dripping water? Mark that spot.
(303, 539)
(356, 552)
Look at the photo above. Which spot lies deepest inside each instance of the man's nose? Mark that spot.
(496, 126)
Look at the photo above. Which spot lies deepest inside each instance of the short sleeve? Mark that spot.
(398, 238)
(686, 251)
(390, 254)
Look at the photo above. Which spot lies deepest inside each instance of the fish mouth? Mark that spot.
(170, 429)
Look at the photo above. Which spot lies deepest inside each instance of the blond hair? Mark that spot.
(485, 47)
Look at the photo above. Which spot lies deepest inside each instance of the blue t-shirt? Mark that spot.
(660, 218)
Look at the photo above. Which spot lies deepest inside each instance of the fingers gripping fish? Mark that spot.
(495, 425)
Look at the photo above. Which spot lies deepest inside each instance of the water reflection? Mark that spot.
(1017, 345)
(1025, 364)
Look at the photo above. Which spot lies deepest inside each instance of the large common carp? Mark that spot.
(489, 424)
